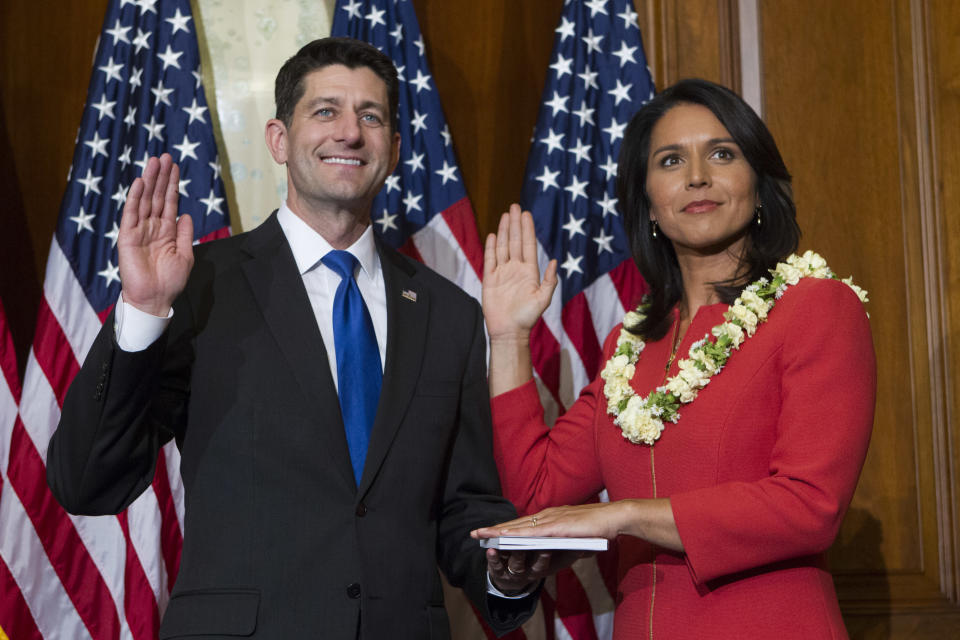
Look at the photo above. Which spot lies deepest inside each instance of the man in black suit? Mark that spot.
(293, 529)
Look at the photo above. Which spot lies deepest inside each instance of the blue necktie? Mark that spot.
(359, 375)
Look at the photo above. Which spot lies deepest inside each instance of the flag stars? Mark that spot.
(112, 70)
(608, 205)
(625, 54)
(162, 94)
(603, 243)
(90, 183)
(119, 33)
(572, 265)
(154, 129)
(592, 41)
(629, 17)
(610, 168)
(574, 226)
(386, 222)
(548, 179)
(170, 58)
(143, 163)
(183, 187)
(198, 77)
(135, 80)
(179, 22)
(596, 6)
(420, 46)
(120, 195)
(620, 92)
(393, 183)
(421, 81)
(187, 149)
(142, 41)
(581, 152)
(412, 201)
(147, 5)
(557, 104)
(585, 114)
(131, 118)
(112, 235)
(212, 203)
(397, 34)
(124, 158)
(419, 121)
(352, 8)
(83, 221)
(111, 273)
(554, 141)
(375, 17)
(615, 130)
(446, 135)
(566, 29)
(589, 78)
(195, 112)
(576, 188)
(447, 172)
(415, 162)
(215, 166)
(104, 108)
(562, 66)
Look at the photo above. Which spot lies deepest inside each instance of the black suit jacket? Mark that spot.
(279, 541)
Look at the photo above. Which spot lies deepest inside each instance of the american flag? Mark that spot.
(598, 78)
(423, 209)
(105, 577)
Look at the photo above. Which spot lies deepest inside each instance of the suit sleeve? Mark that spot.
(120, 409)
(472, 496)
(827, 393)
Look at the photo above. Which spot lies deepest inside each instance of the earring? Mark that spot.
(757, 211)
(653, 228)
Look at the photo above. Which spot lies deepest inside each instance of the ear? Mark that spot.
(276, 138)
(394, 153)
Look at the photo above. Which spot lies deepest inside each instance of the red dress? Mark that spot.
(759, 470)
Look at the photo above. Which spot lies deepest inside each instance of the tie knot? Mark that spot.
(343, 262)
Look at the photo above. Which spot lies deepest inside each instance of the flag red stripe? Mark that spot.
(578, 326)
(139, 603)
(15, 617)
(8, 357)
(53, 352)
(573, 606)
(410, 250)
(171, 538)
(545, 354)
(629, 284)
(463, 226)
(68, 556)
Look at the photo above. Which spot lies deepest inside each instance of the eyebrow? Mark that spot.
(710, 143)
(367, 104)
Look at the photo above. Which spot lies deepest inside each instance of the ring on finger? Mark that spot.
(512, 572)
(534, 520)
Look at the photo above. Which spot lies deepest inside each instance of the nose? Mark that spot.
(698, 173)
(348, 131)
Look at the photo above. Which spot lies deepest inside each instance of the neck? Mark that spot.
(699, 273)
(340, 227)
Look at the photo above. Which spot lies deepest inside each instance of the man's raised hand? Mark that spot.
(155, 248)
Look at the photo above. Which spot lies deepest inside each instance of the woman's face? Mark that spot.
(702, 190)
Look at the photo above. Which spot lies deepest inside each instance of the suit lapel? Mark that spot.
(282, 298)
(408, 306)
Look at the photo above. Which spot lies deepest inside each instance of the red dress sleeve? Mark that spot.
(827, 394)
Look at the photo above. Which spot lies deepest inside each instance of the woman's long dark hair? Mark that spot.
(767, 243)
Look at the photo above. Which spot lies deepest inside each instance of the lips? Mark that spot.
(701, 206)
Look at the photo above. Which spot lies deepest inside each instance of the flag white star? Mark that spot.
(213, 203)
(447, 172)
(124, 158)
(571, 265)
(574, 226)
(595, 6)
(135, 80)
(562, 66)
(111, 273)
(386, 222)
(610, 168)
(629, 17)
(375, 17)
(170, 58)
(566, 29)
(625, 54)
(412, 202)
(112, 70)
(113, 234)
(415, 162)
(620, 92)
(198, 76)
(83, 221)
(554, 141)
(603, 242)
(187, 149)
(215, 166)
(182, 187)
(104, 108)
(400, 70)
(147, 5)
(120, 195)
(585, 114)
(154, 129)
(419, 121)
(179, 22)
(589, 78)
(557, 103)
(581, 151)
(392, 183)
(446, 135)
(119, 33)
(420, 45)
(615, 130)
(352, 8)
(592, 41)
(90, 183)
(141, 41)
(195, 112)
(576, 188)
(162, 93)
(397, 34)
(143, 163)
(548, 179)
(608, 204)
(421, 81)
(131, 117)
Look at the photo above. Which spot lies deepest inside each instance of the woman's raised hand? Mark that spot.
(514, 296)
(155, 249)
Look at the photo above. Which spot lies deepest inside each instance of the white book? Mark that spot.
(526, 543)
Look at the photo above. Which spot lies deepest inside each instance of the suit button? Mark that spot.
(353, 591)
(361, 510)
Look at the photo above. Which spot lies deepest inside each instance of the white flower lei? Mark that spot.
(641, 419)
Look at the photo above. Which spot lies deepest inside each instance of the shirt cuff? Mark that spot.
(136, 330)
(493, 591)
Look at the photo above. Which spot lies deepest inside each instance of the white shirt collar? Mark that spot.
(309, 247)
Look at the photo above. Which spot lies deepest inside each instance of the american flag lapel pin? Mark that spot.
(409, 294)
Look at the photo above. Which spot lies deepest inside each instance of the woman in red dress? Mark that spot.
(723, 496)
